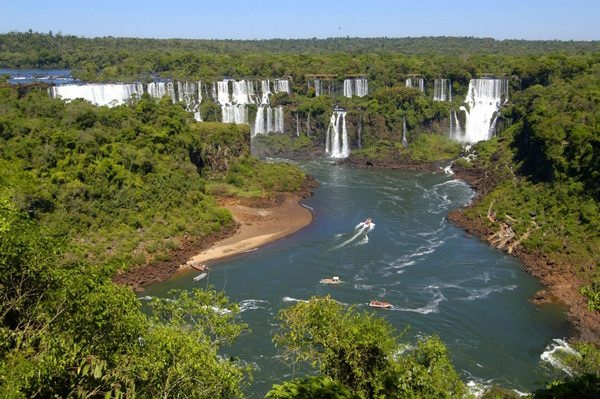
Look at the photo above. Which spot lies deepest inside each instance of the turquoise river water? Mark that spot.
(439, 280)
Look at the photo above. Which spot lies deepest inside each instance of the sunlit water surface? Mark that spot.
(439, 280)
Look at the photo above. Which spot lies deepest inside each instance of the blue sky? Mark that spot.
(245, 19)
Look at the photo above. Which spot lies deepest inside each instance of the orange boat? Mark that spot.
(333, 280)
(201, 268)
(379, 304)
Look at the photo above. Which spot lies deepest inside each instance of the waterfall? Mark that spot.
(297, 124)
(281, 86)
(456, 132)
(259, 122)
(234, 113)
(484, 98)
(243, 92)
(442, 90)
(326, 87)
(233, 106)
(404, 140)
(356, 87)
(191, 95)
(417, 83)
(223, 96)
(317, 87)
(268, 120)
(99, 94)
(362, 87)
(161, 89)
(336, 139)
(265, 89)
(278, 120)
(213, 91)
(348, 83)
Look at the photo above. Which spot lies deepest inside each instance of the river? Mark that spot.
(440, 280)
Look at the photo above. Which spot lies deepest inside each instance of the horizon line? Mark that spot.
(60, 33)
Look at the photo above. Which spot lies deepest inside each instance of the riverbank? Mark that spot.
(560, 282)
(257, 226)
(257, 222)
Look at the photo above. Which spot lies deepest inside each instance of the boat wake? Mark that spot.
(431, 307)
(485, 292)
(361, 230)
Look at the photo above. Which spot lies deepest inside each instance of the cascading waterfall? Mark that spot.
(161, 89)
(233, 96)
(243, 92)
(484, 98)
(455, 130)
(356, 87)
(234, 113)
(362, 87)
(278, 120)
(223, 96)
(281, 86)
(213, 91)
(442, 90)
(336, 140)
(268, 119)
(317, 87)
(99, 94)
(259, 122)
(348, 89)
(323, 87)
(191, 95)
(265, 89)
(417, 83)
(233, 106)
(404, 140)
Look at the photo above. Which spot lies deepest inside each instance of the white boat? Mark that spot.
(380, 304)
(200, 276)
(333, 280)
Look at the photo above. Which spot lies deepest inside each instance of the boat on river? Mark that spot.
(380, 304)
(334, 280)
(200, 276)
(202, 268)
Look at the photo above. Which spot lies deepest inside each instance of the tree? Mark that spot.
(361, 351)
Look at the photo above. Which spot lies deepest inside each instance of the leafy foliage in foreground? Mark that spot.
(361, 352)
(66, 332)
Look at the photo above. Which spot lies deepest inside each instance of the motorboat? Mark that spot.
(200, 276)
(367, 223)
(202, 268)
(380, 304)
(333, 280)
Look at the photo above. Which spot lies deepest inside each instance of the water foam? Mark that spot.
(431, 307)
(251, 304)
(557, 349)
(290, 299)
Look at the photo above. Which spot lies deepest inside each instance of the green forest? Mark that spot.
(88, 192)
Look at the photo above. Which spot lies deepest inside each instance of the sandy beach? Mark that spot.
(258, 226)
(258, 222)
